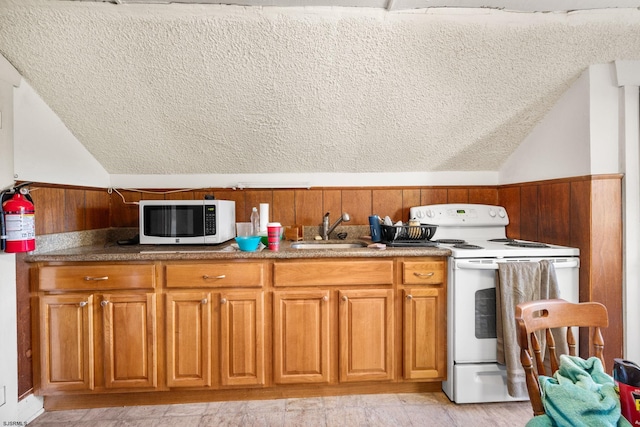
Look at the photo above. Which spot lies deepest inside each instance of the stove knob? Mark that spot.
(418, 213)
(430, 213)
(502, 213)
(492, 213)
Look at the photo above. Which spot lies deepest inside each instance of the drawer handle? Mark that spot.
(83, 303)
(88, 278)
(204, 301)
(345, 298)
(423, 275)
(207, 277)
(223, 300)
(409, 297)
(104, 303)
(325, 298)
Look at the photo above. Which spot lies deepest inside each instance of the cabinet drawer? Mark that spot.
(92, 277)
(333, 272)
(423, 273)
(215, 275)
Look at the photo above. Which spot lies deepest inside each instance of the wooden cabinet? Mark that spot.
(66, 342)
(363, 319)
(301, 328)
(91, 338)
(366, 335)
(212, 324)
(242, 338)
(188, 336)
(424, 320)
(129, 340)
(246, 327)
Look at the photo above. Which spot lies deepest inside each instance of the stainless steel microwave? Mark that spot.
(179, 222)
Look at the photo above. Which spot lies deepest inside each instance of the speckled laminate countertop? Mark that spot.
(226, 251)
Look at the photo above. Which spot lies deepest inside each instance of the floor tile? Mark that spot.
(188, 421)
(146, 411)
(304, 404)
(305, 417)
(369, 410)
(186, 409)
(264, 419)
(113, 413)
(347, 416)
(383, 416)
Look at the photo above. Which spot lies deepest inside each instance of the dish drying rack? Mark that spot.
(408, 235)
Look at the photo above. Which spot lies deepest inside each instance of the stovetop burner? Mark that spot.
(527, 244)
(450, 241)
(467, 246)
(502, 240)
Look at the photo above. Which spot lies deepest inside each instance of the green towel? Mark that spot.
(580, 394)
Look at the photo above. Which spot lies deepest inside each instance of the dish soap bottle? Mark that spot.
(255, 222)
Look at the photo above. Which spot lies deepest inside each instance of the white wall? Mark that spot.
(45, 150)
(628, 78)
(579, 135)
(10, 408)
(558, 146)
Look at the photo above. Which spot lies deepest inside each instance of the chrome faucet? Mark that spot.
(326, 230)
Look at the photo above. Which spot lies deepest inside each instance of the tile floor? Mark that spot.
(397, 410)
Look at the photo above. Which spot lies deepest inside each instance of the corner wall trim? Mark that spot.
(628, 73)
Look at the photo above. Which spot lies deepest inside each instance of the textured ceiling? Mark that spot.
(184, 88)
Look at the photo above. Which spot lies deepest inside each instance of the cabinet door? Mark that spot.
(366, 335)
(129, 339)
(189, 350)
(242, 338)
(301, 337)
(66, 352)
(425, 333)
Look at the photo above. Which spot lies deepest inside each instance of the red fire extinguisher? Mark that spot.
(19, 223)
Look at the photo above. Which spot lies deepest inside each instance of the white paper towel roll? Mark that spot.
(264, 217)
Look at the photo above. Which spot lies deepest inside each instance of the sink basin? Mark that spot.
(328, 245)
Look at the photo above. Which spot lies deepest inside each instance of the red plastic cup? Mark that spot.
(274, 230)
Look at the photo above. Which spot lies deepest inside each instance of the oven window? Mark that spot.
(485, 318)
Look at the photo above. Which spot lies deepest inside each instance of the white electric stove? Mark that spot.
(476, 236)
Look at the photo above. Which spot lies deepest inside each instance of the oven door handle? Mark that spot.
(493, 265)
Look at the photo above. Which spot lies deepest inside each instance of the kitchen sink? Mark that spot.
(328, 245)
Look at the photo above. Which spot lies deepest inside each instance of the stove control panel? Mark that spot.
(461, 215)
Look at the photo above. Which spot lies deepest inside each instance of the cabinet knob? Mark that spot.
(204, 301)
(83, 303)
(223, 300)
(325, 298)
(409, 297)
(104, 303)
(345, 298)
(89, 278)
(424, 275)
(207, 277)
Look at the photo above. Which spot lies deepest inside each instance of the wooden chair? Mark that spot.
(544, 315)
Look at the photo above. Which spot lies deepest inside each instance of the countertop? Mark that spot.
(226, 251)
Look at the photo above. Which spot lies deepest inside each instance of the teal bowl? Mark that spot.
(248, 243)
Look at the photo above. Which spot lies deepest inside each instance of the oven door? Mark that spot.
(473, 303)
(473, 311)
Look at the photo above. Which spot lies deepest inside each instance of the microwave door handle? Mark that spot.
(471, 265)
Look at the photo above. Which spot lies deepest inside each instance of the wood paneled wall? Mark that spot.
(585, 212)
(307, 207)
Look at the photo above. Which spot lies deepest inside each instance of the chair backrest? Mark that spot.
(544, 315)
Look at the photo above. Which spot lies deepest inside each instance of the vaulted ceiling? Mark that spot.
(305, 86)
